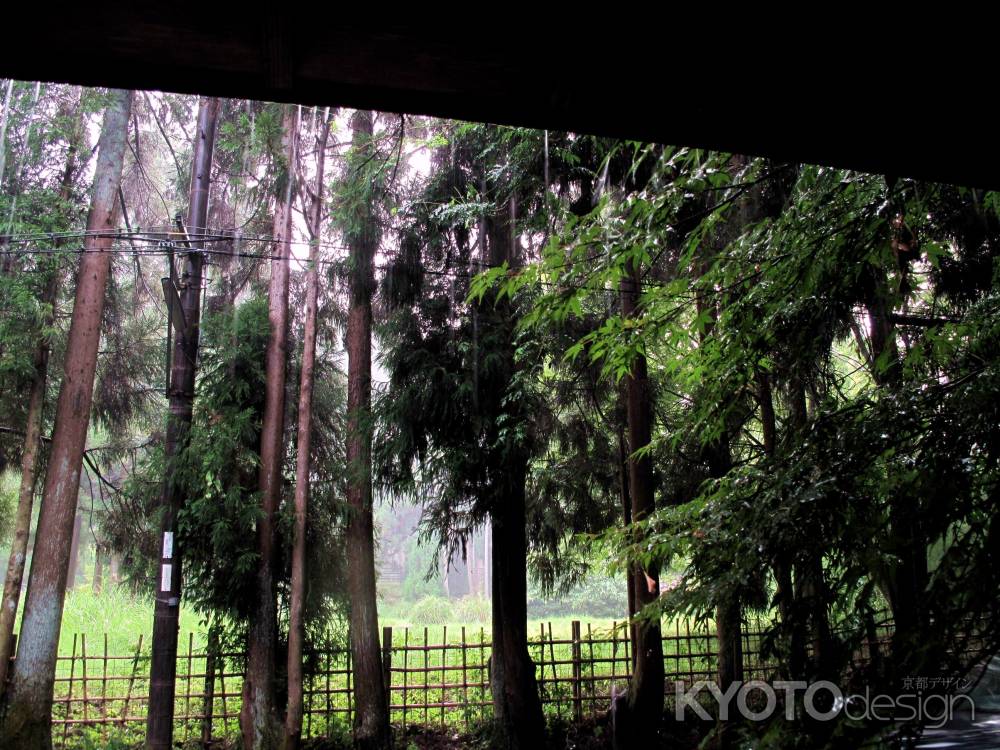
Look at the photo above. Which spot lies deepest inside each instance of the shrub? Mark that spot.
(472, 609)
(431, 610)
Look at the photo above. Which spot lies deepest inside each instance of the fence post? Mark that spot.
(69, 698)
(444, 673)
(577, 670)
(104, 691)
(387, 663)
(187, 691)
(208, 701)
(131, 680)
(465, 681)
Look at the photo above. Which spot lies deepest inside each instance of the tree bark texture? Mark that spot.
(517, 709)
(28, 713)
(645, 698)
(259, 720)
(32, 437)
(371, 716)
(296, 623)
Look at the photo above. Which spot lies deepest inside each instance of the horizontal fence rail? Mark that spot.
(435, 675)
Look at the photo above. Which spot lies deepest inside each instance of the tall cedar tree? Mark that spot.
(27, 716)
(259, 720)
(460, 418)
(517, 708)
(296, 624)
(371, 715)
(30, 458)
(645, 696)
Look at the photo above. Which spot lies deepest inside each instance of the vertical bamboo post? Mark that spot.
(406, 653)
(465, 681)
(69, 697)
(627, 652)
(222, 690)
(593, 680)
(329, 669)
(484, 679)
(542, 693)
(83, 675)
(444, 661)
(425, 676)
(208, 701)
(387, 663)
(614, 653)
(687, 643)
(187, 690)
(577, 698)
(677, 649)
(131, 679)
(555, 671)
(350, 694)
(104, 691)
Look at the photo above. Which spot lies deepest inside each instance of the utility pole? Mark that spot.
(183, 298)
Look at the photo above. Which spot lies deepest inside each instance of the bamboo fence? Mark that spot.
(435, 676)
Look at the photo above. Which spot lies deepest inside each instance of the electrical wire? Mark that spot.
(173, 242)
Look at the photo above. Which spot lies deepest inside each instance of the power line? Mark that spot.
(160, 247)
(168, 236)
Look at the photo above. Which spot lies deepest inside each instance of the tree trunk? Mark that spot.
(371, 716)
(296, 623)
(484, 561)
(729, 613)
(28, 716)
(785, 593)
(259, 720)
(908, 578)
(97, 584)
(517, 709)
(639, 725)
(810, 596)
(22, 520)
(630, 576)
(114, 564)
(166, 612)
(32, 431)
(4, 119)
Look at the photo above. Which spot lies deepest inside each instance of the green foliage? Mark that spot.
(422, 575)
(599, 596)
(218, 475)
(219, 465)
(754, 270)
(467, 403)
(431, 610)
(471, 609)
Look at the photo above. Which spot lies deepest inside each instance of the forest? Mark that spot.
(248, 349)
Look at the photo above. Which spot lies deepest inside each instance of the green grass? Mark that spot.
(453, 681)
(119, 614)
(123, 616)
